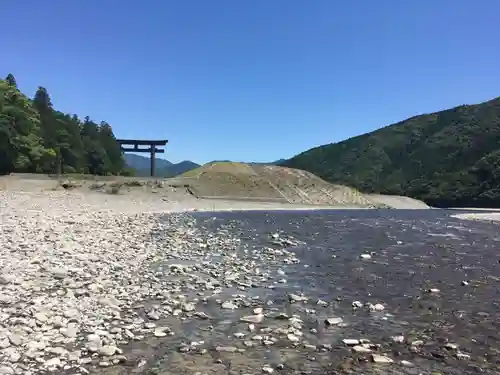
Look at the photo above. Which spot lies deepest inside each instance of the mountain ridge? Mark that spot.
(445, 158)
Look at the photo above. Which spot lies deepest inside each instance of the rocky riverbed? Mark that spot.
(109, 288)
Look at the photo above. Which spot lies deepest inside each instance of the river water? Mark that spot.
(437, 278)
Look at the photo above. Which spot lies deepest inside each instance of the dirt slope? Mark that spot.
(252, 181)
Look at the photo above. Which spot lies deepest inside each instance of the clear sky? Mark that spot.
(254, 80)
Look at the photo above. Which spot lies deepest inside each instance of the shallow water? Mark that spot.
(412, 252)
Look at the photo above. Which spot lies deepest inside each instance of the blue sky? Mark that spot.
(252, 80)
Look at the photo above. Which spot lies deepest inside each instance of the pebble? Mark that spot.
(267, 370)
(252, 318)
(350, 342)
(6, 370)
(381, 359)
(108, 350)
(333, 321)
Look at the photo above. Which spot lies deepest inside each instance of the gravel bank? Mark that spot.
(73, 267)
(487, 216)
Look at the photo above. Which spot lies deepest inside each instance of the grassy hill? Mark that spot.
(447, 158)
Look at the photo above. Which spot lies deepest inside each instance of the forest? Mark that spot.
(449, 158)
(37, 138)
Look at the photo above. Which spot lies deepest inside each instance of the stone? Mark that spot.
(381, 359)
(53, 362)
(376, 307)
(6, 370)
(333, 321)
(15, 339)
(70, 331)
(41, 317)
(357, 305)
(267, 370)
(398, 339)
(296, 298)
(226, 349)
(252, 318)
(293, 338)
(350, 342)
(187, 307)
(108, 350)
(71, 314)
(361, 349)
(229, 305)
(4, 343)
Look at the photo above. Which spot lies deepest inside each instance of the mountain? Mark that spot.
(177, 169)
(449, 158)
(164, 168)
(143, 162)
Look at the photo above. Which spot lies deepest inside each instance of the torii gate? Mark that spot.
(132, 145)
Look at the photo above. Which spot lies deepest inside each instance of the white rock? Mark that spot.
(377, 307)
(333, 321)
(357, 305)
(361, 349)
(108, 350)
(398, 339)
(53, 362)
(350, 342)
(381, 359)
(4, 343)
(41, 317)
(229, 305)
(296, 298)
(462, 356)
(252, 318)
(293, 338)
(187, 307)
(6, 370)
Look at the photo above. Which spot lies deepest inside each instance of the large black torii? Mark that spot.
(132, 145)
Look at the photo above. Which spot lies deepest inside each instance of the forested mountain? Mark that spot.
(164, 168)
(36, 138)
(447, 158)
(139, 162)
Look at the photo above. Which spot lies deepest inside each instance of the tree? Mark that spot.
(11, 81)
(36, 138)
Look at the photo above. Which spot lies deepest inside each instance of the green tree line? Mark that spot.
(36, 138)
(449, 158)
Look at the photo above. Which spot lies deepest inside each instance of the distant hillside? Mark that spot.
(277, 162)
(164, 168)
(447, 158)
(143, 162)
